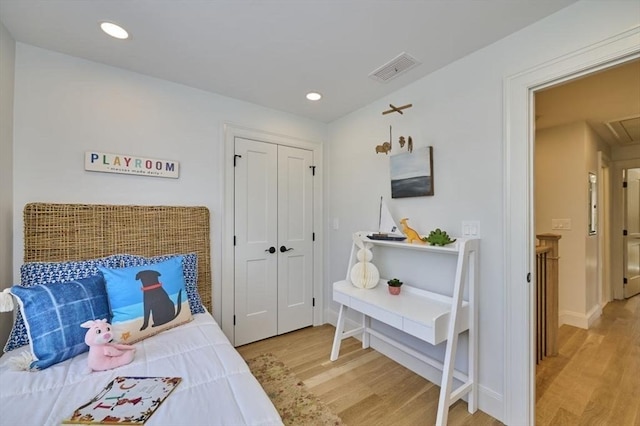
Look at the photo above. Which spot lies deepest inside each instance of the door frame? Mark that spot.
(519, 233)
(605, 292)
(232, 131)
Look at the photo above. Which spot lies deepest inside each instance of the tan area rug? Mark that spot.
(293, 400)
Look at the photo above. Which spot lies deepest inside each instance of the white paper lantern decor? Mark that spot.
(364, 274)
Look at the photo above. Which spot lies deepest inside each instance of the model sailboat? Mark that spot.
(387, 227)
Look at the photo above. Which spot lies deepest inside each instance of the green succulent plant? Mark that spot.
(438, 238)
(394, 282)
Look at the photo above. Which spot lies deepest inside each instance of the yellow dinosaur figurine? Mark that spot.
(412, 235)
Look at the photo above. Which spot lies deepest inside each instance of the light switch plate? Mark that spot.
(561, 224)
(471, 228)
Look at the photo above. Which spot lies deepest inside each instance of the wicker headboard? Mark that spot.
(59, 232)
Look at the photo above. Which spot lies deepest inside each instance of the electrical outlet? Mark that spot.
(471, 228)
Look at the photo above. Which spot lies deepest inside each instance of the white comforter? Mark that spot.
(217, 387)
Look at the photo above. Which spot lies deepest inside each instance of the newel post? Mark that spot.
(550, 241)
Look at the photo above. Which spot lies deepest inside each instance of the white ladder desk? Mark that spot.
(429, 316)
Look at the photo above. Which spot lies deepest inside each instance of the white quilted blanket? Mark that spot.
(217, 386)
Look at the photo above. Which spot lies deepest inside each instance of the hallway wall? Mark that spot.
(564, 157)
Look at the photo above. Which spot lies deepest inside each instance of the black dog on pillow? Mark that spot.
(156, 300)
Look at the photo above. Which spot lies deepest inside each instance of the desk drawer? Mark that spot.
(381, 315)
(419, 330)
(341, 298)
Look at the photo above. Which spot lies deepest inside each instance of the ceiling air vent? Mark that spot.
(626, 130)
(397, 66)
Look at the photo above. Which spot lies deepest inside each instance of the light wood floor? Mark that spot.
(363, 386)
(595, 379)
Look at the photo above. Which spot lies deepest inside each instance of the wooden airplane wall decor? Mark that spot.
(396, 109)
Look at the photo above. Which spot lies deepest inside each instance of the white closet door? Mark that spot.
(256, 216)
(295, 238)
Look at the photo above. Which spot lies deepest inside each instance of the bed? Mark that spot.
(217, 387)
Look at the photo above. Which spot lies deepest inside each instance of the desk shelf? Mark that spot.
(432, 317)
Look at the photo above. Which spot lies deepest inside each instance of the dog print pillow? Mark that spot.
(147, 299)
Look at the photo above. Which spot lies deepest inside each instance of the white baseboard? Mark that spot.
(331, 317)
(489, 401)
(594, 314)
(580, 320)
(574, 319)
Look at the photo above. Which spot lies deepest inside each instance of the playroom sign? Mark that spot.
(130, 165)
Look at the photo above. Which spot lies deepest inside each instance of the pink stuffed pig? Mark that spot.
(104, 355)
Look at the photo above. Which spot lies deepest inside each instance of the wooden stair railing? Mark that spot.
(546, 296)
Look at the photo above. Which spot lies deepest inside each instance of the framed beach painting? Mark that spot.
(412, 173)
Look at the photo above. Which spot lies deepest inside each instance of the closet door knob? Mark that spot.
(271, 250)
(283, 249)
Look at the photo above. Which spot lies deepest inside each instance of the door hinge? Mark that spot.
(624, 184)
(624, 281)
(234, 320)
(235, 157)
(313, 301)
(313, 170)
(624, 232)
(313, 236)
(529, 277)
(234, 240)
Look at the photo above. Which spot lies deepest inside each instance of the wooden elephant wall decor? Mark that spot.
(385, 146)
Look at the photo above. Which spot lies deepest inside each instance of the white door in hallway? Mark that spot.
(631, 240)
(273, 240)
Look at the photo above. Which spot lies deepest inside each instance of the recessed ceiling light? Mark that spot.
(114, 30)
(314, 96)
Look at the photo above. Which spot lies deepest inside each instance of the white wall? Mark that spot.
(560, 193)
(65, 105)
(593, 310)
(459, 111)
(621, 153)
(7, 61)
(564, 156)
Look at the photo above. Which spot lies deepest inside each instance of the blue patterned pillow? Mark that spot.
(189, 268)
(35, 273)
(53, 314)
(146, 299)
(49, 272)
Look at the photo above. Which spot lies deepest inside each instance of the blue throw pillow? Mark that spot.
(189, 268)
(53, 314)
(146, 299)
(35, 273)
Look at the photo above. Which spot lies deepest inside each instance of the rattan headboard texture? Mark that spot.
(59, 232)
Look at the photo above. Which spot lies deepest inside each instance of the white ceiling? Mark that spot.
(612, 95)
(272, 52)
